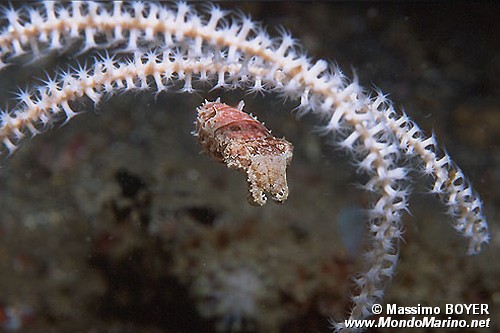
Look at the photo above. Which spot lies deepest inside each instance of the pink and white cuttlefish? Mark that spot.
(233, 137)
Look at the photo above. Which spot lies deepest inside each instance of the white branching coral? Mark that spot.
(165, 48)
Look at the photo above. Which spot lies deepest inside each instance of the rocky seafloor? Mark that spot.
(115, 222)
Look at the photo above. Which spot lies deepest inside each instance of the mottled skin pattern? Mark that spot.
(240, 141)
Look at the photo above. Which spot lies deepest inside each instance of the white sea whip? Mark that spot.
(170, 45)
